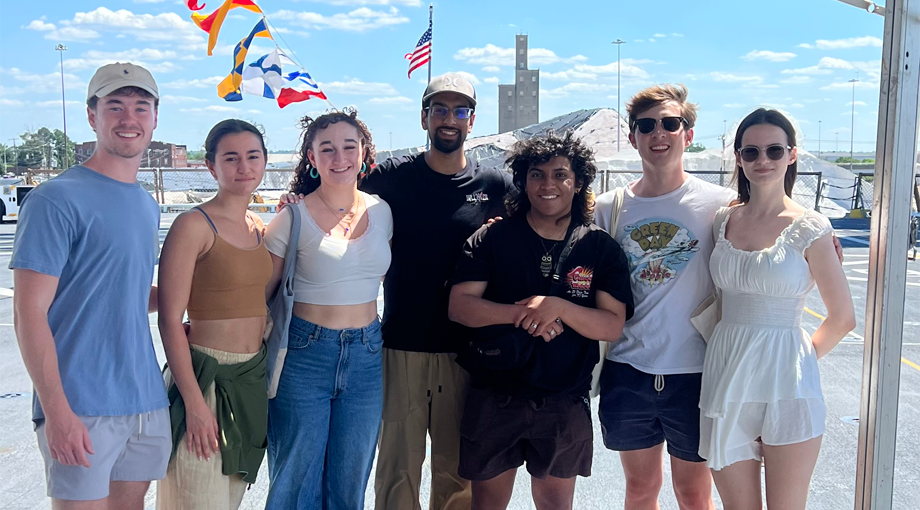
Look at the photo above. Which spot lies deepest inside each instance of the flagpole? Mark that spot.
(430, 56)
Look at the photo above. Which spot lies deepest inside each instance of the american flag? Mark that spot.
(422, 53)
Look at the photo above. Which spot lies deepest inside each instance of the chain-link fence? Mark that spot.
(807, 190)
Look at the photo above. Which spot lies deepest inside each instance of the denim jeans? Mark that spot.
(324, 422)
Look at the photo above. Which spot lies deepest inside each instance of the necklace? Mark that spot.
(546, 261)
(350, 214)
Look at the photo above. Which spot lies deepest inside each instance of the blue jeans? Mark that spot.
(324, 422)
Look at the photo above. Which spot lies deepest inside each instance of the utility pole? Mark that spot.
(61, 48)
(836, 147)
(853, 117)
(819, 139)
(618, 42)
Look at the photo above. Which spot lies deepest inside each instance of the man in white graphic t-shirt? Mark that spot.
(650, 385)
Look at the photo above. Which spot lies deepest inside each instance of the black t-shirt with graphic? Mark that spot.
(433, 214)
(508, 255)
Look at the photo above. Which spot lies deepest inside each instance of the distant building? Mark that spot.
(519, 103)
(157, 155)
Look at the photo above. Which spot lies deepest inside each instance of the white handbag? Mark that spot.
(709, 313)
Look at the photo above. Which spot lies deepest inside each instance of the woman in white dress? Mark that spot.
(761, 399)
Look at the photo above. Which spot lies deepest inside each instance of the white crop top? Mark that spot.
(334, 271)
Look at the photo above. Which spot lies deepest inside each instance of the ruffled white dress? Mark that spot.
(760, 376)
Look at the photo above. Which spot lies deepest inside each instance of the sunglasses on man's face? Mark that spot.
(775, 152)
(669, 124)
(441, 112)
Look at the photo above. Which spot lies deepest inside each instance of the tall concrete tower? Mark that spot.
(519, 103)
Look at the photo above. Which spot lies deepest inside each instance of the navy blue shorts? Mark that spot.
(635, 416)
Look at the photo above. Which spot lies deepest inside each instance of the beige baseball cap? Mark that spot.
(450, 82)
(112, 77)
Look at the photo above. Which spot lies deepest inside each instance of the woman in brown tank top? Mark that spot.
(214, 265)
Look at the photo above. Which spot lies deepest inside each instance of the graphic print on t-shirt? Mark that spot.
(579, 281)
(657, 249)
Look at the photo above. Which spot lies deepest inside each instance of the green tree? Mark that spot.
(695, 147)
(846, 159)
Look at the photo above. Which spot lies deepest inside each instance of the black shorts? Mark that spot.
(553, 435)
(635, 416)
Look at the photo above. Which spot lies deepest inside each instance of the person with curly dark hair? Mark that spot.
(324, 420)
(549, 283)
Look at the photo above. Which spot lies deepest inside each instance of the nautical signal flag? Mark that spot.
(212, 22)
(422, 52)
(263, 77)
(229, 88)
(299, 86)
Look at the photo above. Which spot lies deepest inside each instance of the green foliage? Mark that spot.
(39, 149)
(695, 147)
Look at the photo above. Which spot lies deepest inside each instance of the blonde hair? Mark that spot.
(648, 98)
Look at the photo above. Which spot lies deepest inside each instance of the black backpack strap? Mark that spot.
(566, 250)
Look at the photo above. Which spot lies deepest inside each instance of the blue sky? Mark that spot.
(733, 55)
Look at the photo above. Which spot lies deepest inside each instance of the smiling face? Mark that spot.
(447, 134)
(551, 187)
(764, 171)
(239, 163)
(123, 124)
(337, 154)
(662, 149)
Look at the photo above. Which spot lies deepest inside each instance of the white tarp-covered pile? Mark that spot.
(598, 128)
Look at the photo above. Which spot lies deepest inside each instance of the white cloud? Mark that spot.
(401, 100)
(857, 103)
(493, 56)
(660, 35)
(57, 104)
(806, 46)
(10, 102)
(797, 105)
(824, 66)
(469, 76)
(733, 105)
(357, 87)
(254, 112)
(150, 1)
(212, 108)
(848, 85)
(192, 84)
(491, 79)
(42, 83)
(181, 99)
(576, 88)
(734, 78)
(849, 43)
(84, 26)
(407, 3)
(796, 80)
(771, 56)
(40, 25)
(569, 75)
(358, 20)
(676, 35)
(492, 69)
(146, 57)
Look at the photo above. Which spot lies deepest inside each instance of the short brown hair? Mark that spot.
(126, 91)
(648, 98)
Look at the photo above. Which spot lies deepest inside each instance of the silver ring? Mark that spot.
(533, 325)
(552, 332)
(558, 320)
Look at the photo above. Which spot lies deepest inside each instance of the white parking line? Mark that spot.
(855, 262)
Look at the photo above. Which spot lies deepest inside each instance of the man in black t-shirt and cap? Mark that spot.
(438, 199)
(560, 284)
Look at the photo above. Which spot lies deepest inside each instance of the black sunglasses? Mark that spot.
(775, 152)
(442, 112)
(670, 124)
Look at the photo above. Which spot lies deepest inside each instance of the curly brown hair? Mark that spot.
(303, 183)
(540, 149)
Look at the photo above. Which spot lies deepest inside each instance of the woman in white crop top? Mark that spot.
(761, 395)
(325, 418)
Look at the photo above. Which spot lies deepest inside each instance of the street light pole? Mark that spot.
(853, 117)
(819, 139)
(618, 42)
(61, 48)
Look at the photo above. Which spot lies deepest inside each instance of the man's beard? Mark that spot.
(447, 146)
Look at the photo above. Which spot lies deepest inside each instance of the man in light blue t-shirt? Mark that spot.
(83, 263)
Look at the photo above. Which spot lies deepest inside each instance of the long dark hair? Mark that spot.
(775, 118)
(229, 127)
(305, 184)
(540, 149)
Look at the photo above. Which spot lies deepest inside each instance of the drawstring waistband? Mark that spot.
(659, 383)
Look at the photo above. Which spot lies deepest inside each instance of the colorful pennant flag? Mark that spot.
(422, 53)
(229, 88)
(263, 77)
(298, 87)
(211, 23)
(193, 5)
